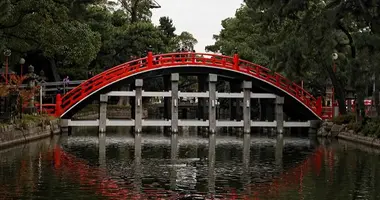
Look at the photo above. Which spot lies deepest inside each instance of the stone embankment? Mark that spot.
(21, 133)
(329, 129)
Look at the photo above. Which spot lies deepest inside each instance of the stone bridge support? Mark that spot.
(103, 113)
(279, 112)
(212, 79)
(175, 102)
(247, 86)
(138, 106)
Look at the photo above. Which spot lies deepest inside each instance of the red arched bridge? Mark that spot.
(155, 65)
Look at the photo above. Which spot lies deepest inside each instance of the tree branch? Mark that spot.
(353, 48)
(20, 18)
(22, 38)
(367, 16)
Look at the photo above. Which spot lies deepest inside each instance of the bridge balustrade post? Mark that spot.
(247, 86)
(175, 103)
(103, 113)
(212, 79)
(279, 114)
(150, 59)
(58, 103)
(236, 61)
(138, 105)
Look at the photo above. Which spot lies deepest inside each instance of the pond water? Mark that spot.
(116, 166)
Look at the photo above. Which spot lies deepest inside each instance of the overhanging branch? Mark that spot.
(345, 31)
(18, 20)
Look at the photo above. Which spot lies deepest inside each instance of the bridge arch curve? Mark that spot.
(158, 65)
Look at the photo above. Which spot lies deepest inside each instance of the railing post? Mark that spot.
(193, 55)
(319, 106)
(212, 79)
(58, 103)
(247, 85)
(236, 60)
(150, 57)
(175, 103)
(138, 106)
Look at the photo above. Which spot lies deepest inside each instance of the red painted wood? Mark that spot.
(192, 59)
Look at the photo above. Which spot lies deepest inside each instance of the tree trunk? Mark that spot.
(134, 11)
(338, 90)
(54, 70)
(376, 93)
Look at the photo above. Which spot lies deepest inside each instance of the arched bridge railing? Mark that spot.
(151, 62)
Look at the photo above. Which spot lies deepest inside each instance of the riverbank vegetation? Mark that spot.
(366, 126)
(27, 121)
(298, 38)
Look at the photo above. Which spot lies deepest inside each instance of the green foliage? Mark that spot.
(168, 36)
(344, 119)
(355, 126)
(297, 38)
(186, 39)
(79, 36)
(372, 128)
(32, 120)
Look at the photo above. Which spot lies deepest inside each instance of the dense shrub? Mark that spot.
(344, 119)
(367, 126)
(355, 126)
(372, 127)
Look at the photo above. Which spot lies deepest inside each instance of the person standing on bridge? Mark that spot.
(66, 82)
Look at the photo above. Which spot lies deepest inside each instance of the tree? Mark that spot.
(298, 38)
(167, 27)
(168, 34)
(73, 37)
(186, 39)
(137, 10)
(46, 29)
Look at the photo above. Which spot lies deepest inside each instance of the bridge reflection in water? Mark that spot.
(124, 167)
(183, 173)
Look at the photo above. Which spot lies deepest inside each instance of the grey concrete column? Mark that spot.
(279, 111)
(138, 106)
(212, 79)
(137, 164)
(246, 160)
(102, 150)
(64, 126)
(103, 113)
(279, 150)
(211, 163)
(314, 125)
(175, 103)
(173, 158)
(247, 85)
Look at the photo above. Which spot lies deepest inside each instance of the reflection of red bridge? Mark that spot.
(95, 177)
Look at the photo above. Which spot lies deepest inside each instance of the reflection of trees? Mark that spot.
(18, 169)
(353, 175)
